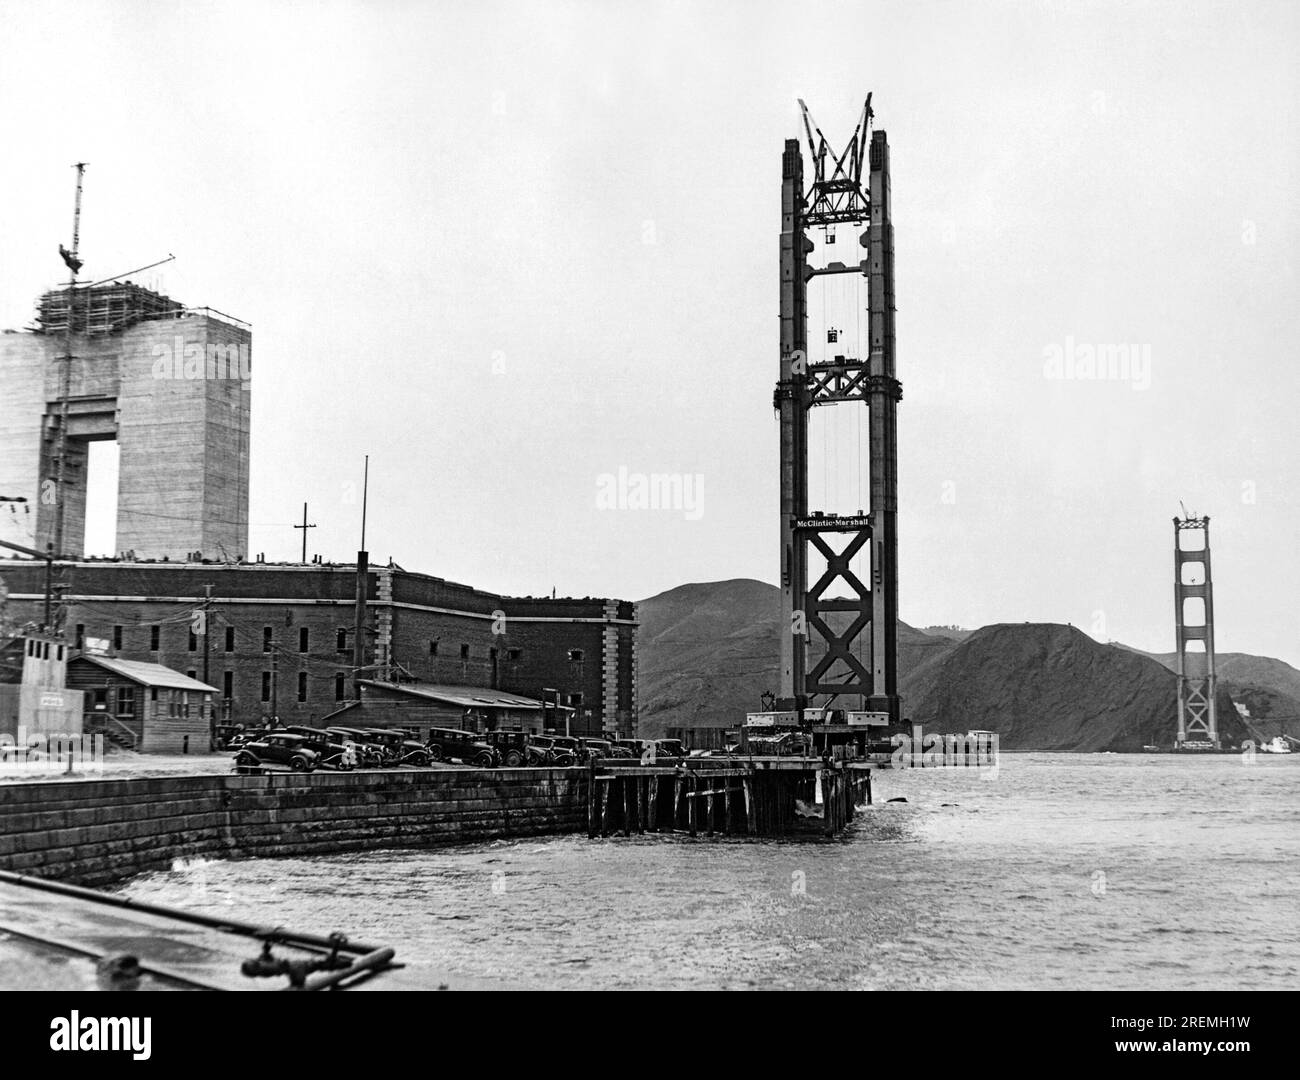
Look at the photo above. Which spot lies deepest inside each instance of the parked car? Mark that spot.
(452, 744)
(333, 751)
(279, 748)
(663, 748)
(402, 747)
(599, 748)
(511, 746)
(373, 754)
(546, 750)
(238, 737)
(637, 747)
(573, 746)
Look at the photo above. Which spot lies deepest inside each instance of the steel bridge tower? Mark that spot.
(1198, 721)
(856, 635)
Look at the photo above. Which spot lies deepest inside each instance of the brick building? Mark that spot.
(280, 636)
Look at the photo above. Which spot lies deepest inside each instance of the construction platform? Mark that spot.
(749, 796)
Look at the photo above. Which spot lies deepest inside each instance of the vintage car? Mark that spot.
(452, 744)
(573, 745)
(665, 750)
(402, 748)
(335, 752)
(373, 754)
(511, 746)
(600, 748)
(279, 748)
(547, 750)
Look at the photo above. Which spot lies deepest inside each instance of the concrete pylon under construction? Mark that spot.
(170, 384)
(1198, 721)
(856, 634)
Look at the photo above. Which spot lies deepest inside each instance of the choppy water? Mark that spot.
(1066, 871)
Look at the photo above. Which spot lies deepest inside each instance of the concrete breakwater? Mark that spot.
(98, 832)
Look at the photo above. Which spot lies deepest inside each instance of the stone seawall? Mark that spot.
(98, 832)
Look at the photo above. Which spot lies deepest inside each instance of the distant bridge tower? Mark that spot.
(833, 645)
(1198, 721)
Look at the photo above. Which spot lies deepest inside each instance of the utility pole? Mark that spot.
(304, 527)
(207, 638)
(275, 682)
(49, 557)
(363, 570)
(73, 262)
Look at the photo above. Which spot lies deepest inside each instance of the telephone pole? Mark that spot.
(275, 682)
(304, 527)
(207, 638)
(73, 262)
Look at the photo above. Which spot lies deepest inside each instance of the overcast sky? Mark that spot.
(508, 248)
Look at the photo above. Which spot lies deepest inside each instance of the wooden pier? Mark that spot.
(743, 796)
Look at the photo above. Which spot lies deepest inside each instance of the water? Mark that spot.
(1065, 871)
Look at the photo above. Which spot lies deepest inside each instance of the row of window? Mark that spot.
(304, 642)
(268, 639)
(228, 685)
(41, 649)
(180, 704)
(575, 655)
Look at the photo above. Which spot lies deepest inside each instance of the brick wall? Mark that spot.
(408, 613)
(97, 832)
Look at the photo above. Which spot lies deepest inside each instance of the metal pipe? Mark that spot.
(275, 934)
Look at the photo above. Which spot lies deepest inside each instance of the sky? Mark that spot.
(516, 252)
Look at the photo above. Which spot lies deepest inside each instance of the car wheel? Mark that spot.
(564, 760)
(299, 764)
(245, 759)
(420, 759)
(435, 753)
(484, 760)
(514, 759)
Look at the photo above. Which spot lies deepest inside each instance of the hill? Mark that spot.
(708, 650)
(1268, 687)
(1044, 686)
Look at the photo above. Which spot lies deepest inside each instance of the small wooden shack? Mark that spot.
(142, 706)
